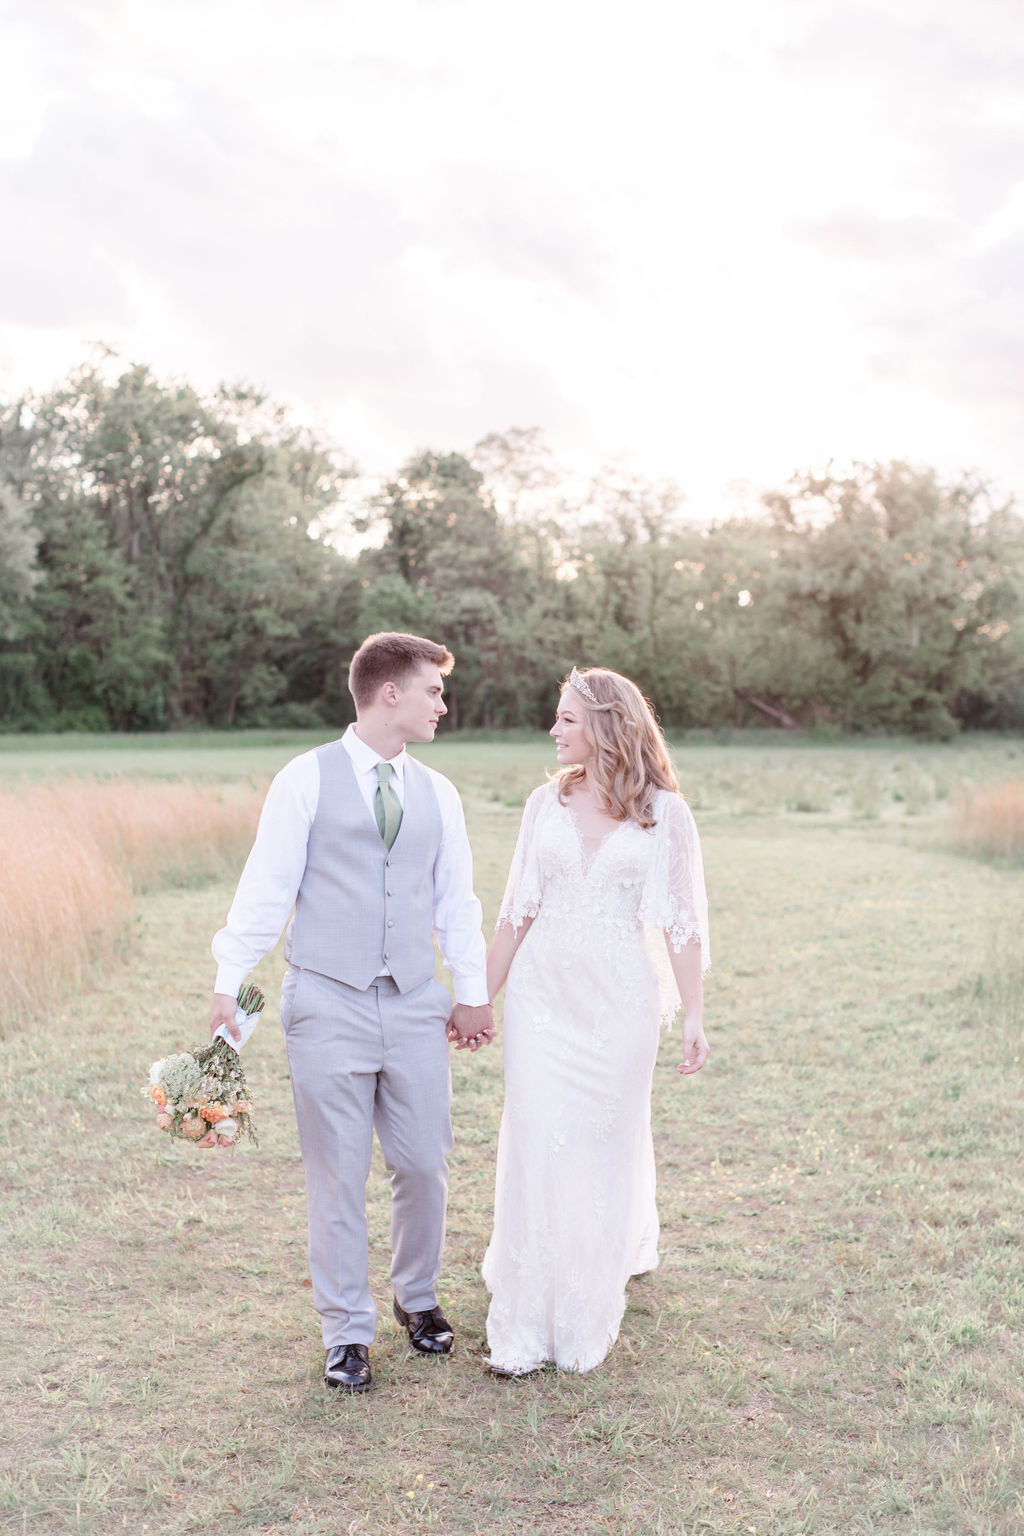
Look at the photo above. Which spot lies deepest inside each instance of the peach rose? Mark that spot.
(157, 1094)
(209, 1140)
(193, 1127)
(213, 1113)
(164, 1120)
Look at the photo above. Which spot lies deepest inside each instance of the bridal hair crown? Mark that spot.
(582, 686)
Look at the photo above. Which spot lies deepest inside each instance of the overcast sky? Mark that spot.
(726, 239)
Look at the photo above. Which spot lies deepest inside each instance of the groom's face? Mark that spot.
(420, 703)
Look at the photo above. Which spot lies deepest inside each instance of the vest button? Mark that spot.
(390, 923)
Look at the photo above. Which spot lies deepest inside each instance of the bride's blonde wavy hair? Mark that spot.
(631, 760)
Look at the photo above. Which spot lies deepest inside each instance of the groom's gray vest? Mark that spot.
(361, 909)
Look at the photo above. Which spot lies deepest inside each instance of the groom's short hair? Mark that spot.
(389, 658)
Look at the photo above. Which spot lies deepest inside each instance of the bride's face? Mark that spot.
(571, 744)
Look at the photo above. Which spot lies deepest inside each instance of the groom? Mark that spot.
(370, 847)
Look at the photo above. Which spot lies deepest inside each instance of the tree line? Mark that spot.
(168, 560)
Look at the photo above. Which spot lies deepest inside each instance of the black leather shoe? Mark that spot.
(429, 1332)
(348, 1367)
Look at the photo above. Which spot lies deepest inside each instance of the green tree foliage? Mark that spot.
(450, 566)
(174, 579)
(161, 562)
(908, 593)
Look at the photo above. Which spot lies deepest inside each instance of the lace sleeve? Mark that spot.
(674, 898)
(523, 887)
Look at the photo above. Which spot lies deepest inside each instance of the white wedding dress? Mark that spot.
(574, 1208)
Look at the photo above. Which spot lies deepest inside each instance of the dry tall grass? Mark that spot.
(989, 821)
(73, 854)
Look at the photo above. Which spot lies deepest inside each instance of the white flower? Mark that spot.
(179, 1076)
(154, 1072)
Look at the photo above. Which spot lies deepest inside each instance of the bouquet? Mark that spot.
(200, 1095)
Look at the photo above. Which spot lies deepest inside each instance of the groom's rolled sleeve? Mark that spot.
(458, 915)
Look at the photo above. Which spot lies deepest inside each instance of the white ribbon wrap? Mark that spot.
(246, 1022)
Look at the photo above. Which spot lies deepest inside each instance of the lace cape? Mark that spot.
(673, 903)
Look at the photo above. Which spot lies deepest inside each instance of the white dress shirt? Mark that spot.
(273, 872)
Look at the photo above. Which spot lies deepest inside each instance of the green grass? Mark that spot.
(752, 773)
(830, 1345)
(171, 754)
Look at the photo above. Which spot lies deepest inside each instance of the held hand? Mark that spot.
(472, 1043)
(222, 1011)
(695, 1047)
(470, 1028)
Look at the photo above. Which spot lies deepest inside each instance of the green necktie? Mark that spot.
(387, 806)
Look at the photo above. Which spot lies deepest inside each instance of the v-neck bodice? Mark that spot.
(613, 888)
(590, 846)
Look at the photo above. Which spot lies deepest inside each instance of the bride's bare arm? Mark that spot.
(502, 952)
(686, 967)
(499, 957)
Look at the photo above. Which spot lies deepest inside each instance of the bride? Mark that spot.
(602, 930)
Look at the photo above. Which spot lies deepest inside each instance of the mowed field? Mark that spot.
(832, 1342)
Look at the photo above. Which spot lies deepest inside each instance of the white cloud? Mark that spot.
(730, 240)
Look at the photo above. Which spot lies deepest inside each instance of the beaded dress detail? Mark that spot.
(575, 1211)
